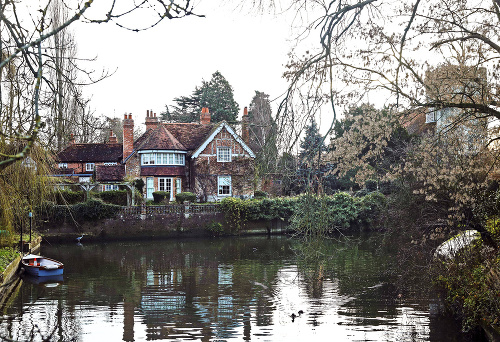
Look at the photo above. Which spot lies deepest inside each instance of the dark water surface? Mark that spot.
(240, 289)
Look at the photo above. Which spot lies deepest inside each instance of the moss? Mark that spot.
(7, 255)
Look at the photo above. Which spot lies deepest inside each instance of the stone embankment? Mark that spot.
(150, 222)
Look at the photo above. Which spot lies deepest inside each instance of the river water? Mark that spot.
(229, 289)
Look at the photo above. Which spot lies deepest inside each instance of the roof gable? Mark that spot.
(91, 153)
(214, 133)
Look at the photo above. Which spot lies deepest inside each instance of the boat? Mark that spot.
(41, 266)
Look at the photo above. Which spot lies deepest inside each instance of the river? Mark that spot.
(228, 289)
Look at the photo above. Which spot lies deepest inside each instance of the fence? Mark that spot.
(179, 209)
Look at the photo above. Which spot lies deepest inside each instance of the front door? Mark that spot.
(165, 184)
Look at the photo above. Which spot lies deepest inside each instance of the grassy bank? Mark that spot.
(7, 255)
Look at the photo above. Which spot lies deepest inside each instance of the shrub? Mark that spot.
(118, 197)
(260, 194)
(138, 183)
(371, 185)
(371, 206)
(7, 255)
(94, 209)
(185, 196)
(161, 196)
(234, 213)
(69, 197)
(214, 228)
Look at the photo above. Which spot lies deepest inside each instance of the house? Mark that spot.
(210, 160)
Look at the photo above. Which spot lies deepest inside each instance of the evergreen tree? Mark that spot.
(312, 145)
(262, 133)
(217, 95)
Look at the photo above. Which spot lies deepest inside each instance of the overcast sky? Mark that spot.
(157, 65)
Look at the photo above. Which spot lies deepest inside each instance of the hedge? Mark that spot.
(118, 197)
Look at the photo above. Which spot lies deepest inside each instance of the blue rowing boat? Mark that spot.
(40, 266)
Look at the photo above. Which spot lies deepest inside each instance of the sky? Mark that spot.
(153, 67)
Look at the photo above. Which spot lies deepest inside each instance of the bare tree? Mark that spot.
(27, 53)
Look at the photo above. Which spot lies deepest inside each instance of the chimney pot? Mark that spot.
(147, 113)
(245, 111)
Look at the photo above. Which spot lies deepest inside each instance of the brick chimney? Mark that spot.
(205, 116)
(151, 120)
(245, 130)
(71, 139)
(112, 137)
(128, 135)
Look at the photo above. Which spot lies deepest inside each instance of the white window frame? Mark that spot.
(178, 185)
(63, 165)
(224, 154)
(221, 183)
(150, 187)
(167, 186)
(89, 166)
(163, 158)
(110, 187)
(84, 179)
(110, 163)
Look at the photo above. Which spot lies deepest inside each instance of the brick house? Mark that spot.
(208, 159)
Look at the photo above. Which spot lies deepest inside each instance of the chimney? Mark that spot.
(245, 131)
(151, 120)
(128, 135)
(205, 116)
(112, 137)
(71, 139)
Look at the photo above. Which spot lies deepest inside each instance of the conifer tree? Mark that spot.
(312, 145)
(217, 95)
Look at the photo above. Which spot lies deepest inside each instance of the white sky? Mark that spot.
(155, 66)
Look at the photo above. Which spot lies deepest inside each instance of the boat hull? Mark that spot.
(39, 266)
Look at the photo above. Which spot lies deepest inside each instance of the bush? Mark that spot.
(138, 183)
(185, 196)
(118, 197)
(371, 185)
(371, 206)
(94, 209)
(7, 255)
(161, 196)
(260, 194)
(234, 213)
(214, 228)
(69, 197)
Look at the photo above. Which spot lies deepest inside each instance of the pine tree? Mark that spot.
(312, 145)
(217, 95)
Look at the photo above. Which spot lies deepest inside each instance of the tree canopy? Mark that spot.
(216, 94)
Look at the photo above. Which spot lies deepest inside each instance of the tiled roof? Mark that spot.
(188, 135)
(109, 173)
(91, 153)
(160, 139)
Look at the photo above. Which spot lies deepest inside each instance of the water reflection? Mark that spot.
(228, 289)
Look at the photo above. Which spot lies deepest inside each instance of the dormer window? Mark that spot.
(223, 154)
(89, 166)
(63, 165)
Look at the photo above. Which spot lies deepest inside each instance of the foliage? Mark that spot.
(312, 145)
(91, 210)
(214, 228)
(118, 197)
(217, 95)
(185, 196)
(235, 213)
(138, 183)
(161, 196)
(471, 283)
(7, 255)
(262, 133)
(69, 197)
(23, 186)
(260, 193)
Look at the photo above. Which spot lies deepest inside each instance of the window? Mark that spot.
(165, 184)
(89, 167)
(224, 185)
(110, 187)
(63, 165)
(178, 185)
(223, 154)
(163, 158)
(84, 179)
(149, 187)
(110, 164)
